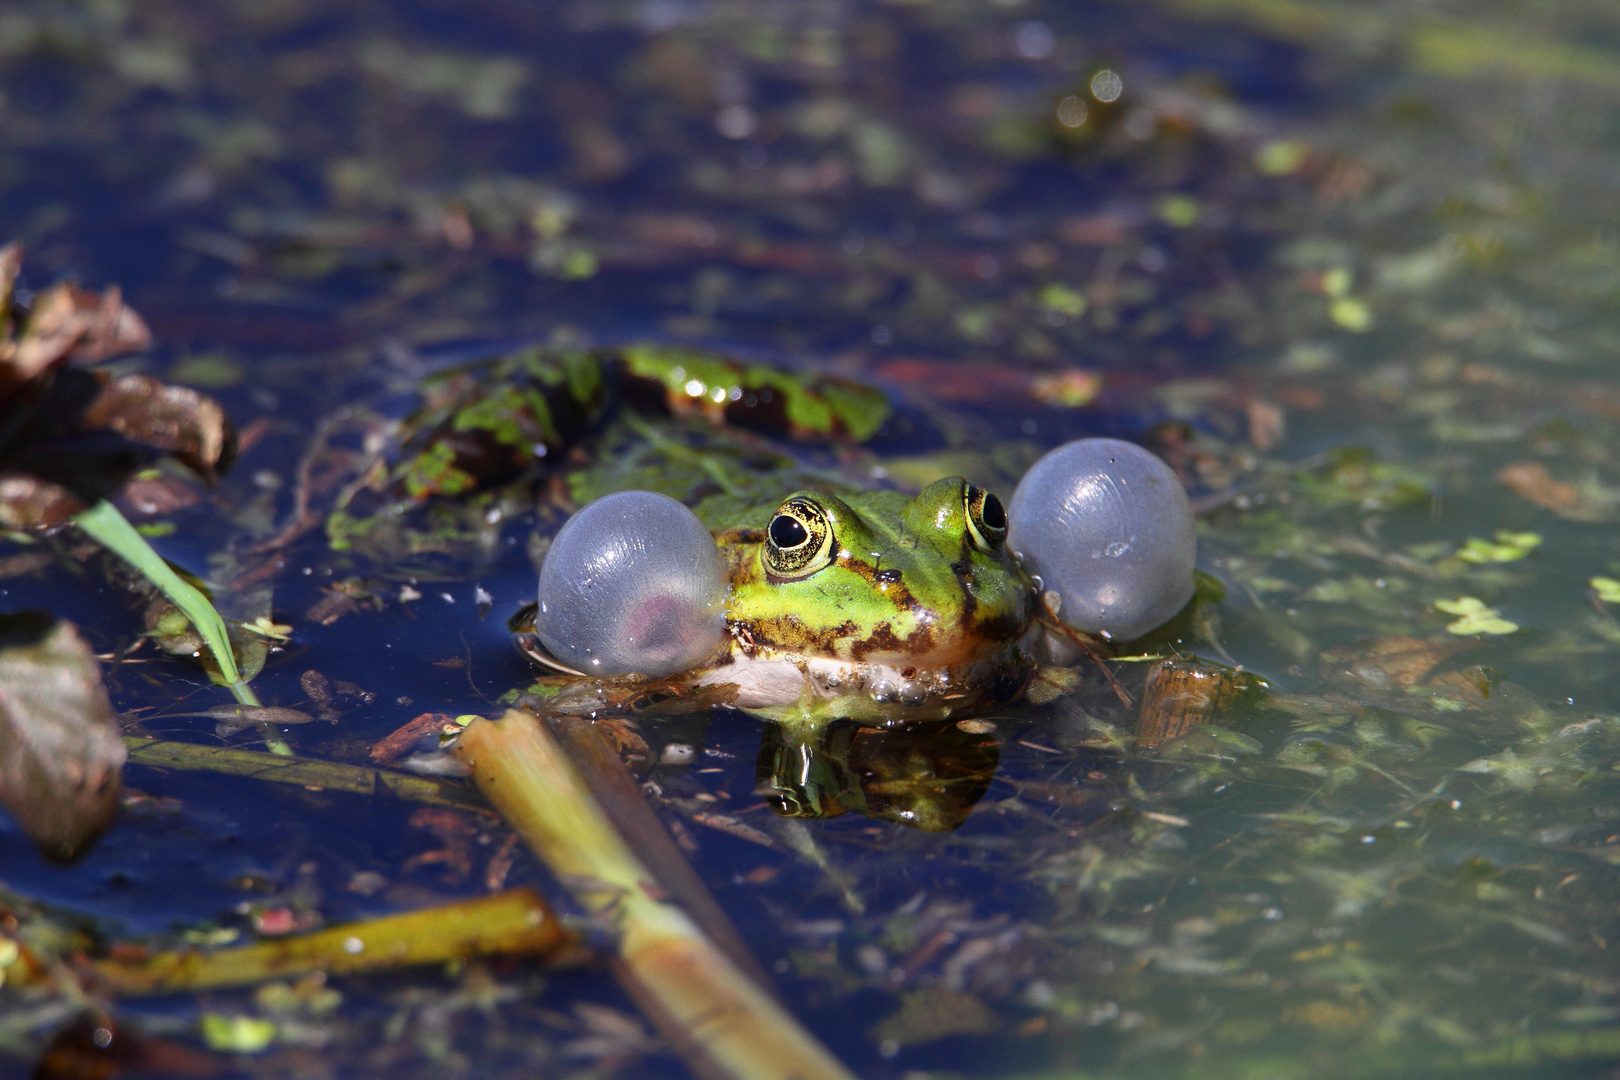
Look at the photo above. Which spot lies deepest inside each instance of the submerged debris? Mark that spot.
(60, 755)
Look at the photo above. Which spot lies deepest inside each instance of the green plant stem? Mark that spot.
(301, 772)
(109, 528)
(721, 1021)
(517, 921)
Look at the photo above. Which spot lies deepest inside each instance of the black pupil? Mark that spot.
(992, 513)
(788, 532)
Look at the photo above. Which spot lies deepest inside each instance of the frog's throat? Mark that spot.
(801, 691)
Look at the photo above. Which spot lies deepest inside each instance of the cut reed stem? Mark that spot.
(722, 1022)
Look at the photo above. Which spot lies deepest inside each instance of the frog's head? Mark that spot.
(879, 579)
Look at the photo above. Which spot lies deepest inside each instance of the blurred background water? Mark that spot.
(1352, 267)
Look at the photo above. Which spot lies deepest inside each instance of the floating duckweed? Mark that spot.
(1508, 547)
(1071, 389)
(1281, 157)
(1607, 588)
(1181, 211)
(264, 627)
(1055, 296)
(1351, 314)
(236, 1034)
(1475, 617)
(9, 953)
(578, 265)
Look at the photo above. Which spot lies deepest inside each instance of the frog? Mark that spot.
(854, 592)
(839, 592)
(874, 607)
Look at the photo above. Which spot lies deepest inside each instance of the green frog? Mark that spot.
(825, 600)
(875, 607)
(790, 581)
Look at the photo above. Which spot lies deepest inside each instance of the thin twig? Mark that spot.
(303, 518)
(1083, 643)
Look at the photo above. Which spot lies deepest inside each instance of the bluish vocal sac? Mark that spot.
(1109, 527)
(632, 584)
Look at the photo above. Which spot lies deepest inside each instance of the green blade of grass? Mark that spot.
(109, 528)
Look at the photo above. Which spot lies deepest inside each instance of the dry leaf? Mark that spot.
(1589, 501)
(176, 419)
(1385, 663)
(70, 323)
(60, 751)
(1180, 695)
(28, 502)
(1267, 423)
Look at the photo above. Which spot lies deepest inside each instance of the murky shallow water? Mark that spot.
(1351, 268)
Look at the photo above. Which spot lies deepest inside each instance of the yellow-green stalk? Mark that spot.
(517, 921)
(722, 1022)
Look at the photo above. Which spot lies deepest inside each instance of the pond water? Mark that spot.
(1352, 268)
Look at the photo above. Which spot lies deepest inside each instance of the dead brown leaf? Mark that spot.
(29, 502)
(60, 751)
(455, 833)
(1267, 423)
(1180, 695)
(1531, 480)
(68, 323)
(177, 419)
(341, 598)
(1385, 663)
(1589, 501)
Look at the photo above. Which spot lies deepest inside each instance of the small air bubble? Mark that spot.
(677, 754)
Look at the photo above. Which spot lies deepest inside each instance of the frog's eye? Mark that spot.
(986, 518)
(799, 540)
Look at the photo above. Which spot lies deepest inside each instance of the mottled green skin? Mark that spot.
(908, 588)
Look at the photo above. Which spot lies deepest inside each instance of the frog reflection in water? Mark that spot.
(927, 776)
